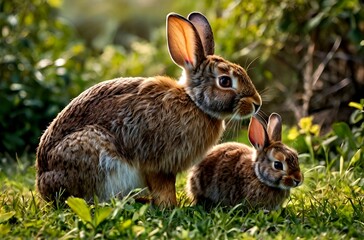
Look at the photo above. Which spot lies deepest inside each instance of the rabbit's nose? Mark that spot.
(296, 182)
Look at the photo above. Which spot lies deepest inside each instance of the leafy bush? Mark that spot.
(307, 54)
(41, 66)
(44, 64)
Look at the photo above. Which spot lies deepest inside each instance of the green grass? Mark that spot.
(329, 205)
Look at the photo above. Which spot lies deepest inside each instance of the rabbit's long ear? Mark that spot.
(203, 28)
(184, 43)
(275, 127)
(257, 135)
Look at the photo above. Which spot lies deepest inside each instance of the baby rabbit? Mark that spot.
(233, 173)
(132, 133)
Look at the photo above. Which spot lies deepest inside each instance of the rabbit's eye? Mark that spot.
(278, 165)
(225, 82)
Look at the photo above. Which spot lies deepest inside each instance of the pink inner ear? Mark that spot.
(188, 61)
(256, 133)
(182, 41)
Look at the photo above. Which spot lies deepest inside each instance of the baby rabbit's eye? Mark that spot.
(278, 165)
(225, 82)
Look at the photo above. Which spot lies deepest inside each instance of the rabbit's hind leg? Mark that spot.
(81, 165)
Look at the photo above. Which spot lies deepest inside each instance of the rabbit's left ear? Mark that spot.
(184, 43)
(257, 135)
(274, 127)
(203, 28)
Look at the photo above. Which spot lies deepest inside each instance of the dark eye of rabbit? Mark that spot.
(278, 165)
(225, 82)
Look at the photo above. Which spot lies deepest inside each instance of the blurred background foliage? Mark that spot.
(306, 57)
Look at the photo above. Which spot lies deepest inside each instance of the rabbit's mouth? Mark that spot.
(289, 182)
(247, 107)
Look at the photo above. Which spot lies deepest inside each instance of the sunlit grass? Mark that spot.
(328, 206)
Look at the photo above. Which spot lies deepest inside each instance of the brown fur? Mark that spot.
(228, 175)
(135, 132)
(151, 135)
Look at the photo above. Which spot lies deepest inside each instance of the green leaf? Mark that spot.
(356, 116)
(80, 207)
(126, 224)
(4, 229)
(355, 158)
(329, 140)
(304, 156)
(101, 214)
(6, 216)
(55, 3)
(143, 209)
(343, 131)
(341, 169)
(140, 213)
(315, 21)
(138, 230)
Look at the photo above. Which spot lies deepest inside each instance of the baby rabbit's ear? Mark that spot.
(257, 135)
(204, 30)
(275, 127)
(184, 43)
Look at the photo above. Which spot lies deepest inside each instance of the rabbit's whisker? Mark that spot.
(248, 67)
(231, 120)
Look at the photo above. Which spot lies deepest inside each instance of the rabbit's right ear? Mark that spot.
(257, 134)
(275, 127)
(184, 43)
(203, 28)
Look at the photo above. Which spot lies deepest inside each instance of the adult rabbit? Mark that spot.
(140, 132)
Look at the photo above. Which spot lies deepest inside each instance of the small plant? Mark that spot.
(340, 149)
(118, 218)
(83, 211)
(306, 137)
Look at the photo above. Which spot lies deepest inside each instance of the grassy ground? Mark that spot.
(328, 206)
